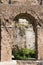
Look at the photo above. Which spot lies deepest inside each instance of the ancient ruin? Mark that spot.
(13, 15)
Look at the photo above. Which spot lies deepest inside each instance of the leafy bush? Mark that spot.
(23, 53)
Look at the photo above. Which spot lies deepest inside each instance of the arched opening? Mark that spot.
(26, 37)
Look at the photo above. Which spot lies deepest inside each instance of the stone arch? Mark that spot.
(14, 11)
(34, 23)
(30, 11)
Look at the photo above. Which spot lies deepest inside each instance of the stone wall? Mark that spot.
(40, 2)
(35, 2)
(40, 43)
(25, 63)
(22, 62)
(5, 46)
(7, 16)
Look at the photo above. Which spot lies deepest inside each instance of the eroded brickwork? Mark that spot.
(8, 40)
(7, 15)
(35, 2)
(27, 63)
(40, 43)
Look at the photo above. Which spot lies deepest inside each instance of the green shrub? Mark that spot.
(23, 53)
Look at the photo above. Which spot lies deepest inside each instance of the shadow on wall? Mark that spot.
(40, 2)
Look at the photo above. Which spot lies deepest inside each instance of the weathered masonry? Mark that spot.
(8, 15)
(13, 14)
(21, 1)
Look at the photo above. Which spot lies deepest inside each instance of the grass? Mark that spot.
(23, 54)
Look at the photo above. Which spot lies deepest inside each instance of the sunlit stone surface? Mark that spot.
(28, 38)
(9, 62)
(5, 1)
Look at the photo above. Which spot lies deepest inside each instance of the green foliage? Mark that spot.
(23, 54)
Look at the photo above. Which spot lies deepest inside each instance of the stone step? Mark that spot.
(13, 62)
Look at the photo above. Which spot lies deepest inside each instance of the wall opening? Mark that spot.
(26, 37)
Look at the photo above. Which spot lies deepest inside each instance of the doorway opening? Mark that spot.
(26, 37)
